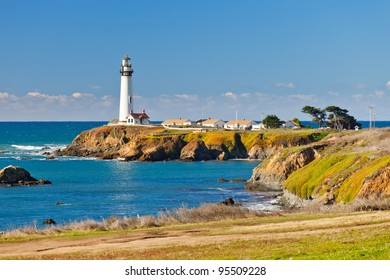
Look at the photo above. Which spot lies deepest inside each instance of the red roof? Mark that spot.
(139, 115)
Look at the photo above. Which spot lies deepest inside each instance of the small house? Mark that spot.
(290, 124)
(216, 123)
(258, 126)
(239, 124)
(137, 118)
(177, 122)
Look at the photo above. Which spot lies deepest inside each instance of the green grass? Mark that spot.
(328, 171)
(336, 236)
(352, 185)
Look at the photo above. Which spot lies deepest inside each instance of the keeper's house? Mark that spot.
(137, 118)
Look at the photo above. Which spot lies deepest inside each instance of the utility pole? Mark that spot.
(370, 109)
(201, 120)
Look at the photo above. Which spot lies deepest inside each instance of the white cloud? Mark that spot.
(358, 97)
(245, 94)
(359, 86)
(4, 95)
(388, 84)
(333, 93)
(230, 95)
(303, 97)
(80, 95)
(285, 85)
(76, 94)
(36, 94)
(378, 94)
(7, 97)
(188, 97)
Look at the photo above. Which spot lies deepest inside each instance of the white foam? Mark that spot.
(28, 147)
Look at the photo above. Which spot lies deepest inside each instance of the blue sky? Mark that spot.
(59, 60)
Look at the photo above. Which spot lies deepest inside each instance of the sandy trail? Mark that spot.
(144, 239)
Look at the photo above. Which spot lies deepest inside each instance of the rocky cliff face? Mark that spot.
(269, 175)
(157, 144)
(340, 168)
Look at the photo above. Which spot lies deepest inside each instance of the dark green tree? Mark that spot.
(337, 117)
(340, 119)
(272, 121)
(318, 115)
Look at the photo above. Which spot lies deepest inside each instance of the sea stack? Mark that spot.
(17, 176)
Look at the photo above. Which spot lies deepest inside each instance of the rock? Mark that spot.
(223, 156)
(157, 144)
(14, 174)
(1, 152)
(50, 158)
(46, 154)
(222, 180)
(228, 201)
(49, 222)
(376, 185)
(43, 182)
(269, 176)
(194, 151)
(238, 180)
(59, 203)
(17, 176)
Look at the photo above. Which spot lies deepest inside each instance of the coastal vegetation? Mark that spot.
(271, 121)
(338, 118)
(158, 143)
(302, 235)
(339, 169)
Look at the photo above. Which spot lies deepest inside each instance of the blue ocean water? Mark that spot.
(365, 124)
(96, 189)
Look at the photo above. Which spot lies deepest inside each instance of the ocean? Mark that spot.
(96, 189)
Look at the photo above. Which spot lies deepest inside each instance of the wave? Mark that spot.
(46, 147)
(28, 147)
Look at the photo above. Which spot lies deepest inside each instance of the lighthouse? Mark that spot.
(126, 97)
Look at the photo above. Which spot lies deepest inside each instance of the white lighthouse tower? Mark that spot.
(126, 98)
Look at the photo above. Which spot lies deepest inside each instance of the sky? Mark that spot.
(59, 60)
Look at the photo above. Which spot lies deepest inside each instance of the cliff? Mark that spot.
(157, 143)
(339, 168)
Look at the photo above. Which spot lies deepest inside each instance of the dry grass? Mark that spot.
(203, 214)
(357, 205)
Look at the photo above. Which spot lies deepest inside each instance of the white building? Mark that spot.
(177, 122)
(126, 93)
(258, 126)
(138, 118)
(239, 124)
(216, 123)
(126, 113)
(290, 124)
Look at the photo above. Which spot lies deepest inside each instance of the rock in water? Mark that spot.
(49, 222)
(17, 176)
(13, 174)
(222, 180)
(228, 202)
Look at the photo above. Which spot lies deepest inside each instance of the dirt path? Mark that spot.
(148, 239)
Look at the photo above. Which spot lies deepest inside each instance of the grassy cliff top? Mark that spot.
(353, 164)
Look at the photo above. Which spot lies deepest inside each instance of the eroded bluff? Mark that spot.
(158, 144)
